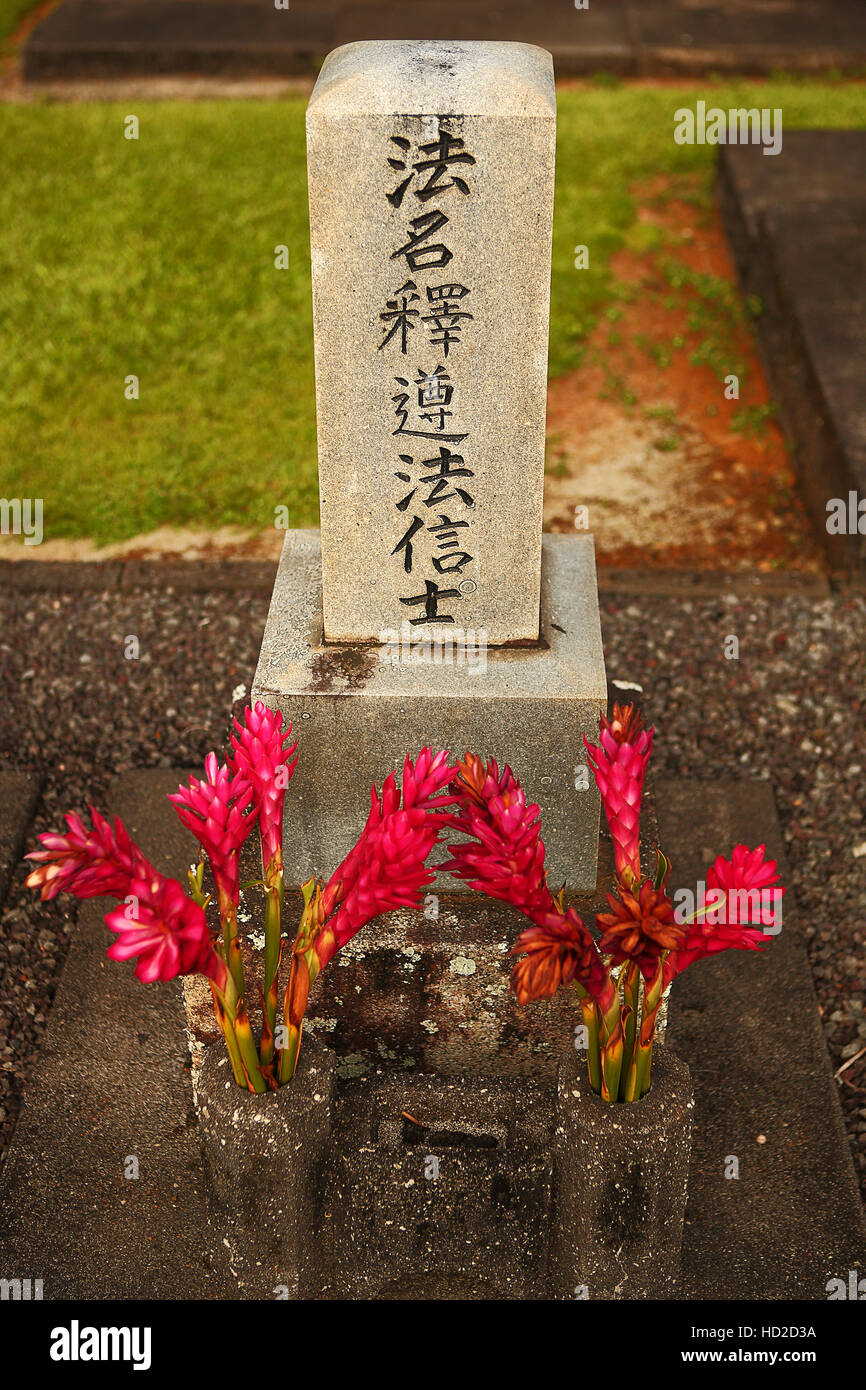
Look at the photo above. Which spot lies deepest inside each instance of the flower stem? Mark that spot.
(241, 1045)
(653, 991)
(631, 1008)
(225, 1023)
(611, 1043)
(273, 920)
(593, 1052)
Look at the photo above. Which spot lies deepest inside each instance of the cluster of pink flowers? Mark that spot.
(619, 971)
(640, 939)
(165, 928)
(158, 924)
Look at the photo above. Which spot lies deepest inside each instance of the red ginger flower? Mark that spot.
(747, 874)
(507, 862)
(619, 764)
(741, 879)
(555, 952)
(387, 867)
(161, 925)
(87, 863)
(214, 811)
(166, 930)
(640, 927)
(263, 757)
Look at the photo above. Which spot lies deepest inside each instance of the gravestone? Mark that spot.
(430, 243)
(430, 610)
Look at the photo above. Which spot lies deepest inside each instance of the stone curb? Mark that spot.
(809, 326)
(89, 38)
(747, 1025)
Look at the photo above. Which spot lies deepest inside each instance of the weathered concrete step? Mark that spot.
(797, 231)
(101, 38)
(93, 38)
(113, 1081)
(747, 1023)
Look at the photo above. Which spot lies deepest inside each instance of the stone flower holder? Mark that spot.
(620, 1178)
(439, 1188)
(265, 1155)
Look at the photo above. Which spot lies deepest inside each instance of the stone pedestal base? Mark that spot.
(359, 709)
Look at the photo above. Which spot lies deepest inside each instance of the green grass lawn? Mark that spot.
(156, 257)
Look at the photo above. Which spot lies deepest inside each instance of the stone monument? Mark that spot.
(430, 610)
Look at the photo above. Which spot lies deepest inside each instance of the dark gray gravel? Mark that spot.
(790, 709)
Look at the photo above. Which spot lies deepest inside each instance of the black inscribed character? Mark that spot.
(446, 150)
(430, 599)
(400, 316)
(435, 390)
(440, 479)
(406, 544)
(431, 257)
(445, 317)
(434, 395)
(454, 560)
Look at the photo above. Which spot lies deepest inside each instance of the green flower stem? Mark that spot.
(593, 1051)
(231, 944)
(652, 1000)
(247, 1046)
(225, 1023)
(631, 1009)
(611, 1044)
(239, 1026)
(273, 921)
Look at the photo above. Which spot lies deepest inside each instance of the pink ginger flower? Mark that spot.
(166, 930)
(87, 863)
(387, 868)
(504, 858)
(213, 810)
(158, 923)
(262, 758)
(750, 883)
(619, 764)
(729, 925)
(507, 859)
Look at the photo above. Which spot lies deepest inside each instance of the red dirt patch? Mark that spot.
(641, 434)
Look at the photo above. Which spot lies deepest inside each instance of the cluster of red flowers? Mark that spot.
(502, 855)
(159, 924)
(505, 859)
(167, 930)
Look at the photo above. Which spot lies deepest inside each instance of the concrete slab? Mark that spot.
(816, 166)
(19, 792)
(100, 38)
(797, 235)
(747, 36)
(747, 1024)
(111, 1083)
(90, 38)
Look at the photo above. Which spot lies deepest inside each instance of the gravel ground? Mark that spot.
(789, 709)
